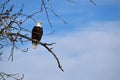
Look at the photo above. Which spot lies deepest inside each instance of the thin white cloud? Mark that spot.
(90, 53)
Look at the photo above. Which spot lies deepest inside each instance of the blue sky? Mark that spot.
(88, 46)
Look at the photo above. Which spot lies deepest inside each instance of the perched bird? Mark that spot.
(37, 33)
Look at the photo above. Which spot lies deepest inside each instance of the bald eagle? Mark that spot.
(37, 33)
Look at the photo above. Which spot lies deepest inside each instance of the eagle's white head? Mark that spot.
(39, 24)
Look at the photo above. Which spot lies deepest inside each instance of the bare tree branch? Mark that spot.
(30, 39)
(72, 1)
(57, 15)
(50, 50)
(12, 51)
(92, 2)
(45, 8)
(4, 76)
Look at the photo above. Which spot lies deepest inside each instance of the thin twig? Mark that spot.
(44, 5)
(12, 50)
(50, 50)
(72, 1)
(58, 16)
(92, 2)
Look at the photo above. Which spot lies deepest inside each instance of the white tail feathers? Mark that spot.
(34, 45)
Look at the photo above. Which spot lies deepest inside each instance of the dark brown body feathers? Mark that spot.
(37, 33)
